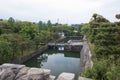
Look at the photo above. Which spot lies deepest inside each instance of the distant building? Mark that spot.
(75, 25)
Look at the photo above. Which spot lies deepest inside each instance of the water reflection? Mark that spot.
(57, 62)
(42, 58)
(61, 48)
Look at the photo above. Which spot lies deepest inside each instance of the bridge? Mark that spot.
(71, 45)
(66, 44)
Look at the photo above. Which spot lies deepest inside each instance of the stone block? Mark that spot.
(66, 76)
(22, 72)
(8, 65)
(35, 71)
(7, 74)
(51, 77)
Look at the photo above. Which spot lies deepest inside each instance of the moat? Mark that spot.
(57, 62)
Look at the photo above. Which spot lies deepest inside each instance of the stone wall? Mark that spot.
(21, 72)
(85, 56)
(66, 76)
(35, 53)
(29, 56)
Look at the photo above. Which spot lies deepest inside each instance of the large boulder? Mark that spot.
(38, 74)
(9, 71)
(51, 77)
(66, 76)
(7, 74)
(21, 72)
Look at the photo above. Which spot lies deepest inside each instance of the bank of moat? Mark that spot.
(21, 72)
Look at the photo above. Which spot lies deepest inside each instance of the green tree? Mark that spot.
(40, 25)
(38, 40)
(29, 32)
(49, 24)
(47, 36)
(5, 52)
(117, 16)
(85, 29)
(95, 16)
(14, 40)
(26, 45)
(11, 22)
(98, 18)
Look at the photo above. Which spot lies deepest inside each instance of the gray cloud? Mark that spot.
(68, 11)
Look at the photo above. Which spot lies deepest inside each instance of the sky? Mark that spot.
(61, 11)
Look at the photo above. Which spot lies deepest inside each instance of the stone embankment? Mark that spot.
(29, 56)
(21, 72)
(33, 54)
(85, 56)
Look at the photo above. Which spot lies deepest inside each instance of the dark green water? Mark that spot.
(57, 62)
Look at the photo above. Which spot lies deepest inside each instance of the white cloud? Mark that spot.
(68, 11)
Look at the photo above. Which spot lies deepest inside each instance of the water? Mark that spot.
(57, 62)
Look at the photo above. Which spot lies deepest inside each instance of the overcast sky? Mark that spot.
(67, 11)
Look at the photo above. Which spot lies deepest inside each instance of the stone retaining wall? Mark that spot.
(29, 56)
(21, 72)
(35, 53)
(85, 56)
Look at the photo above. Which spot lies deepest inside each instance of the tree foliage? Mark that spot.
(117, 16)
(19, 38)
(98, 18)
(105, 36)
